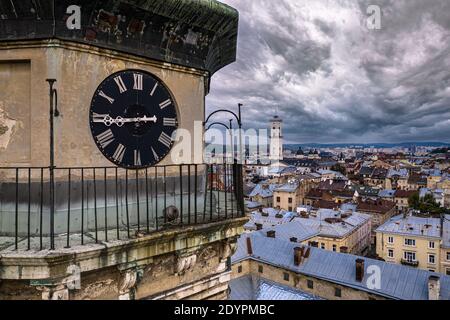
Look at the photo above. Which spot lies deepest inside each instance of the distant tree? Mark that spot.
(338, 168)
(414, 201)
(427, 204)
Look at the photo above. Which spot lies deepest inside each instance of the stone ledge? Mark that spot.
(127, 253)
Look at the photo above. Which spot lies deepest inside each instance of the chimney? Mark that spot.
(359, 270)
(259, 226)
(271, 234)
(249, 246)
(298, 252)
(434, 288)
(307, 252)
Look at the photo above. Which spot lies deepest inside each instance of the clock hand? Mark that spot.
(119, 121)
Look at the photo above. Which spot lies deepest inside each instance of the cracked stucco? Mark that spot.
(8, 127)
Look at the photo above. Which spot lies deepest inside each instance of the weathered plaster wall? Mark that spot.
(79, 69)
(15, 112)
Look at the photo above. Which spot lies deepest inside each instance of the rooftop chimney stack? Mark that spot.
(249, 246)
(298, 252)
(307, 253)
(434, 288)
(359, 270)
(271, 234)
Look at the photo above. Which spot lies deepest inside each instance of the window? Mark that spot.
(334, 248)
(431, 270)
(410, 242)
(289, 208)
(390, 253)
(448, 256)
(322, 245)
(431, 259)
(391, 240)
(337, 292)
(239, 269)
(310, 284)
(431, 244)
(410, 256)
(260, 269)
(447, 271)
(278, 199)
(289, 200)
(286, 276)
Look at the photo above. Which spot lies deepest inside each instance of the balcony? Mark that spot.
(410, 263)
(44, 209)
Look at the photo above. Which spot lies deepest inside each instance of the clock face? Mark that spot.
(133, 118)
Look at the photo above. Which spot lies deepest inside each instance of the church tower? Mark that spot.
(276, 139)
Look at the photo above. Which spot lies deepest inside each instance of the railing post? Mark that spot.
(53, 113)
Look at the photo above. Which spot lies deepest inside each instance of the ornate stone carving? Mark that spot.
(59, 292)
(185, 263)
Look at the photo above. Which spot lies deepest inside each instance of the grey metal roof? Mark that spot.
(386, 193)
(263, 190)
(306, 228)
(251, 287)
(397, 281)
(415, 226)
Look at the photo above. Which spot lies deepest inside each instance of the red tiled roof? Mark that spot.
(375, 206)
(405, 193)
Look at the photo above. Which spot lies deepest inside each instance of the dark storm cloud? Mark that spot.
(317, 65)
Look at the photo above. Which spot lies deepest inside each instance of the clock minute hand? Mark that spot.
(119, 121)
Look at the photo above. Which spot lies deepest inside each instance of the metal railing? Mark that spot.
(102, 204)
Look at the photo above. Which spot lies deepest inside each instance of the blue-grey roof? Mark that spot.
(414, 226)
(263, 190)
(251, 287)
(397, 281)
(386, 193)
(252, 204)
(306, 228)
(269, 221)
(401, 172)
(288, 187)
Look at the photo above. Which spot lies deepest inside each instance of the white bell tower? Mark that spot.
(276, 139)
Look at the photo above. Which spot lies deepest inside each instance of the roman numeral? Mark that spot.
(120, 84)
(120, 152)
(165, 139)
(99, 117)
(138, 81)
(169, 122)
(137, 158)
(105, 138)
(154, 89)
(103, 95)
(165, 104)
(155, 155)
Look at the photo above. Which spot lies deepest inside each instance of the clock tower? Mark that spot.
(276, 139)
(96, 98)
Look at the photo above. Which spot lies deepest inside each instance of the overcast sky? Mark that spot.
(333, 80)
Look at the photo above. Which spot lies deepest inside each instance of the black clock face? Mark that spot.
(133, 118)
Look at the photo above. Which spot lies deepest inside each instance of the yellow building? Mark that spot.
(287, 197)
(417, 242)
